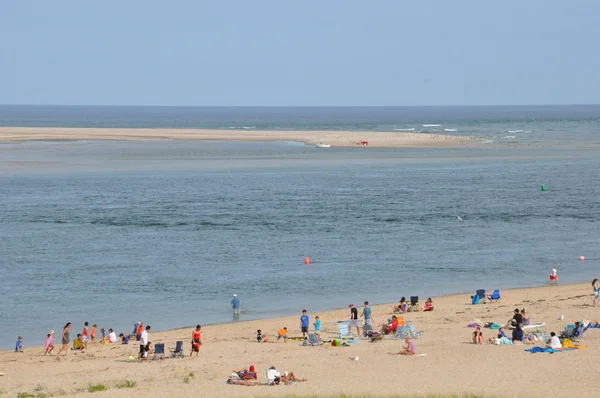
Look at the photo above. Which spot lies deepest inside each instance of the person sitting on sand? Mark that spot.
(525, 317)
(78, 343)
(112, 336)
(124, 339)
(288, 377)
(516, 319)
(391, 327)
(554, 342)
(147, 352)
(261, 338)
(408, 349)
(478, 336)
(247, 374)
(104, 337)
(428, 305)
(517, 334)
(402, 307)
(282, 334)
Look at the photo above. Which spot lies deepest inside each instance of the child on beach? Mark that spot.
(93, 334)
(596, 291)
(78, 343)
(49, 346)
(553, 276)
(19, 344)
(261, 338)
(282, 334)
(84, 335)
(124, 339)
(304, 321)
(317, 324)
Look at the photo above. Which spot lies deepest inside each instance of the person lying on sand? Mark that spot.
(237, 382)
(275, 377)
(247, 374)
(408, 349)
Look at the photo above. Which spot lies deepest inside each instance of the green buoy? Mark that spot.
(543, 187)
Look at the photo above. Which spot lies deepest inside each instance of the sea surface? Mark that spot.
(166, 232)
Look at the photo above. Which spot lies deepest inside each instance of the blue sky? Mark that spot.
(287, 52)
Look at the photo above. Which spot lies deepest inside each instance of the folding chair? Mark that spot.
(177, 351)
(344, 331)
(481, 294)
(414, 304)
(313, 340)
(401, 333)
(159, 351)
(413, 331)
(495, 296)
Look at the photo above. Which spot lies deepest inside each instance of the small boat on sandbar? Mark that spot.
(323, 146)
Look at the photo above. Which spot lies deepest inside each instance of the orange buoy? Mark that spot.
(306, 260)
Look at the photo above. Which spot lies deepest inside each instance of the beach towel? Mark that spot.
(533, 350)
(474, 325)
(492, 325)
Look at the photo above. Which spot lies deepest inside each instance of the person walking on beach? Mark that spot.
(353, 319)
(93, 333)
(235, 304)
(65, 341)
(84, 335)
(366, 312)
(553, 276)
(304, 321)
(196, 341)
(144, 343)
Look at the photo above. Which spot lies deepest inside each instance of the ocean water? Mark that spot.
(166, 232)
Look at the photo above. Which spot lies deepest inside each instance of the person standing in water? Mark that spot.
(554, 276)
(235, 304)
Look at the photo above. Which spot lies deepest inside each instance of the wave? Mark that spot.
(431, 125)
(405, 129)
(510, 136)
(516, 131)
(450, 129)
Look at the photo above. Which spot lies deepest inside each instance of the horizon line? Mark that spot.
(294, 106)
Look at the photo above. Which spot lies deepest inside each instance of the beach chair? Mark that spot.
(367, 329)
(413, 331)
(495, 296)
(569, 332)
(313, 340)
(414, 304)
(344, 331)
(159, 351)
(481, 294)
(177, 351)
(401, 333)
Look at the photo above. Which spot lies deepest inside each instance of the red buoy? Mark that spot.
(306, 260)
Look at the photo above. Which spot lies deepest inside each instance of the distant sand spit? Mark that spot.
(333, 138)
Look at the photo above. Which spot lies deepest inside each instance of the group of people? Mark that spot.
(249, 377)
(402, 307)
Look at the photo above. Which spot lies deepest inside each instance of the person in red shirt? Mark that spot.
(391, 327)
(196, 341)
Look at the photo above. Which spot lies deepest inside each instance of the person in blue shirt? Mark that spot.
(235, 304)
(19, 345)
(304, 320)
(317, 324)
(367, 314)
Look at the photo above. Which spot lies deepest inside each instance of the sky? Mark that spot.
(296, 53)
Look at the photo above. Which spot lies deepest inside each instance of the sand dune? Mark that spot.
(452, 365)
(333, 138)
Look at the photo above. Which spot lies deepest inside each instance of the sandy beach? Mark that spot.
(452, 365)
(333, 138)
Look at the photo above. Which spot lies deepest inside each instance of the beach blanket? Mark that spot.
(566, 343)
(474, 325)
(533, 350)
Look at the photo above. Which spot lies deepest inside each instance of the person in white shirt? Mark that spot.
(273, 375)
(112, 336)
(554, 342)
(144, 343)
(554, 276)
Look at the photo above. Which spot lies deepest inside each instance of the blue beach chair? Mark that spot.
(178, 350)
(413, 331)
(159, 351)
(495, 295)
(344, 331)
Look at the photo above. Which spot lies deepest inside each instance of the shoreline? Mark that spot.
(448, 367)
(333, 138)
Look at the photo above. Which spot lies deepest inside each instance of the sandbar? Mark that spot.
(333, 138)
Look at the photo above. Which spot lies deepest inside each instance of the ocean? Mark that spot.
(166, 232)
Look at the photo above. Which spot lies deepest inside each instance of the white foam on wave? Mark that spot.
(516, 131)
(405, 129)
(486, 141)
(431, 125)
(510, 136)
(450, 129)
(248, 127)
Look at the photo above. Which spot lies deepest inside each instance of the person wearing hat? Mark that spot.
(235, 304)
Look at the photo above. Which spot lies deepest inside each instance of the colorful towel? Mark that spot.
(474, 325)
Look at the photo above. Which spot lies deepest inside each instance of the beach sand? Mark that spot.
(452, 364)
(333, 138)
